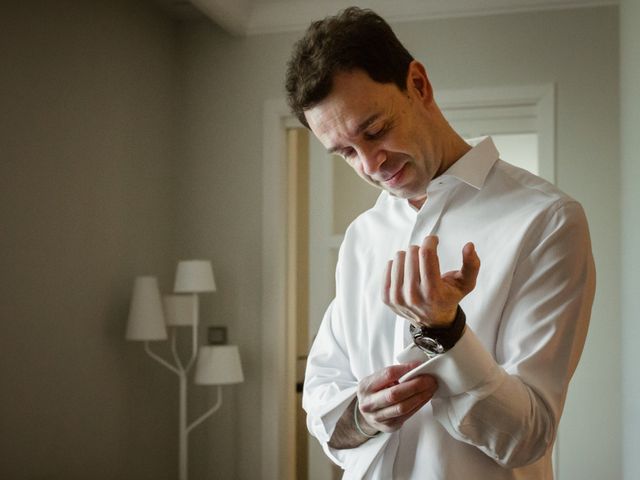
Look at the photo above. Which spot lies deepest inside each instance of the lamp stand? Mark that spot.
(182, 371)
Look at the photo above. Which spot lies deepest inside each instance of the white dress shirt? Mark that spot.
(502, 387)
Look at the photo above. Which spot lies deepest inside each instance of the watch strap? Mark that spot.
(447, 337)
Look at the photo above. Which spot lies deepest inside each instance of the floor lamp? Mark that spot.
(149, 316)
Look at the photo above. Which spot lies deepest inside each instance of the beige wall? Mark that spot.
(227, 83)
(630, 234)
(86, 203)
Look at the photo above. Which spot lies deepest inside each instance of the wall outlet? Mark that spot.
(217, 335)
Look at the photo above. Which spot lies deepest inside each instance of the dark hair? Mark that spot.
(354, 39)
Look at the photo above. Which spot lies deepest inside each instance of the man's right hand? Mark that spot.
(383, 404)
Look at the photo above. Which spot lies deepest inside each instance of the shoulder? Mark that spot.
(520, 192)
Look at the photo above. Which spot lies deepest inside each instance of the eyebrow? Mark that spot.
(361, 127)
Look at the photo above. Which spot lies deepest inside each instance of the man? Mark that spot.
(493, 347)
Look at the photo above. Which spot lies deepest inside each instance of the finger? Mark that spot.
(404, 409)
(412, 276)
(400, 411)
(397, 393)
(386, 284)
(470, 265)
(394, 423)
(429, 263)
(397, 279)
(423, 382)
(385, 377)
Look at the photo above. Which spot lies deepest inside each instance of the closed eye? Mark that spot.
(347, 153)
(375, 134)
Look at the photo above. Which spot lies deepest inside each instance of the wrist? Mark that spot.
(362, 427)
(444, 319)
(434, 341)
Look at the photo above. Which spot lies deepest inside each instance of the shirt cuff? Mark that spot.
(355, 461)
(467, 366)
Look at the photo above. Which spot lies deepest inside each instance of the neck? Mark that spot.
(451, 145)
(453, 150)
(417, 202)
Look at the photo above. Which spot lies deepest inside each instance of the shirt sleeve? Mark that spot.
(509, 406)
(329, 388)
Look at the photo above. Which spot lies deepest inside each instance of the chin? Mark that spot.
(402, 195)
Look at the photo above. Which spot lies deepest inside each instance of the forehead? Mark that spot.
(354, 100)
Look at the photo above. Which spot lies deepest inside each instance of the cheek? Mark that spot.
(357, 167)
(401, 143)
(355, 164)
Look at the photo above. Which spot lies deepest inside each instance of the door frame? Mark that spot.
(535, 100)
(277, 424)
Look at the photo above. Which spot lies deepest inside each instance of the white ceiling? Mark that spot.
(251, 17)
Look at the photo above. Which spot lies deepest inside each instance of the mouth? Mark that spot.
(394, 179)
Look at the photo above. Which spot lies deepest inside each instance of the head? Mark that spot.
(355, 39)
(363, 96)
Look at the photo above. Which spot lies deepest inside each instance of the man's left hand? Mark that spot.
(415, 289)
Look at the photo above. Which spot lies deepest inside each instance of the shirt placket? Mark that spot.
(427, 222)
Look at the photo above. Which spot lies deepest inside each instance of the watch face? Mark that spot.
(428, 345)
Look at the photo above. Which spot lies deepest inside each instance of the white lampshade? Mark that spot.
(146, 319)
(218, 365)
(180, 310)
(194, 276)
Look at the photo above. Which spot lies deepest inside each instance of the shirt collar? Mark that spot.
(473, 167)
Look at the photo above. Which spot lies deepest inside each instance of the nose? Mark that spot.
(371, 160)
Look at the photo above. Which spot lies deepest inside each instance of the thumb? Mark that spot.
(470, 266)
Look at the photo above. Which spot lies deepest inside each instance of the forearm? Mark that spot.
(512, 425)
(346, 435)
(511, 417)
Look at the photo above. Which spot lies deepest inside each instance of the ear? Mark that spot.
(418, 84)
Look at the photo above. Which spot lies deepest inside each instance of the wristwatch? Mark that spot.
(434, 341)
